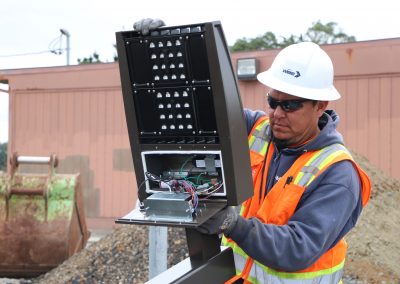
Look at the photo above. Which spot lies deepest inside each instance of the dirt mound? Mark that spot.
(122, 257)
(373, 253)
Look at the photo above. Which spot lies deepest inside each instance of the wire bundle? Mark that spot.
(184, 185)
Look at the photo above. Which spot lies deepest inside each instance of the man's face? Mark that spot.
(292, 128)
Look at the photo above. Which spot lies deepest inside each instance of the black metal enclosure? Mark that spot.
(184, 116)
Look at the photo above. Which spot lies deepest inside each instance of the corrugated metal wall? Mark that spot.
(77, 113)
(370, 121)
(87, 131)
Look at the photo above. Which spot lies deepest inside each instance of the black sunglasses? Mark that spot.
(288, 105)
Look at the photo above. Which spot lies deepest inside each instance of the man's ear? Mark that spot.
(321, 107)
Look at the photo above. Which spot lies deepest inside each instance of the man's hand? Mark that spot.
(146, 25)
(222, 222)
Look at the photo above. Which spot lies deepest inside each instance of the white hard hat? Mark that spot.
(303, 70)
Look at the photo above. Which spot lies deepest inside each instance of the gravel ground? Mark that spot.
(122, 256)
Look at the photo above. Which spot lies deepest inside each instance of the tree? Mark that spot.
(268, 40)
(319, 33)
(94, 58)
(3, 156)
(327, 34)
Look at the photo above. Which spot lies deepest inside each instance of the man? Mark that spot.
(308, 191)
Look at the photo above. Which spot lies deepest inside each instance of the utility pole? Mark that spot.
(67, 35)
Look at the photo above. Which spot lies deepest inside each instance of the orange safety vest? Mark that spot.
(280, 203)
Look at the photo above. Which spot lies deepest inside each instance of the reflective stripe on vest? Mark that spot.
(258, 141)
(319, 160)
(262, 274)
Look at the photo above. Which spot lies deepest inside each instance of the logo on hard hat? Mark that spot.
(292, 73)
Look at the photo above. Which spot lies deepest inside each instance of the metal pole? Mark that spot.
(67, 35)
(68, 49)
(158, 246)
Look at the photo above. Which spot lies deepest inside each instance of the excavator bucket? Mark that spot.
(42, 221)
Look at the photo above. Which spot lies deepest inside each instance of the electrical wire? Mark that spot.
(212, 192)
(138, 193)
(187, 186)
(55, 46)
(25, 54)
(166, 183)
(186, 161)
(152, 177)
(198, 178)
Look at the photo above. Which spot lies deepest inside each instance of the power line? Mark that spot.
(55, 46)
(28, 53)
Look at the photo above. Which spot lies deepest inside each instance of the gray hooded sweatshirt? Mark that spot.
(328, 209)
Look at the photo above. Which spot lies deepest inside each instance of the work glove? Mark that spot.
(146, 25)
(222, 222)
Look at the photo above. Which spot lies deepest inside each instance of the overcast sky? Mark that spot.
(33, 27)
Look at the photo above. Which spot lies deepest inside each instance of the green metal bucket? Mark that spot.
(42, 221)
